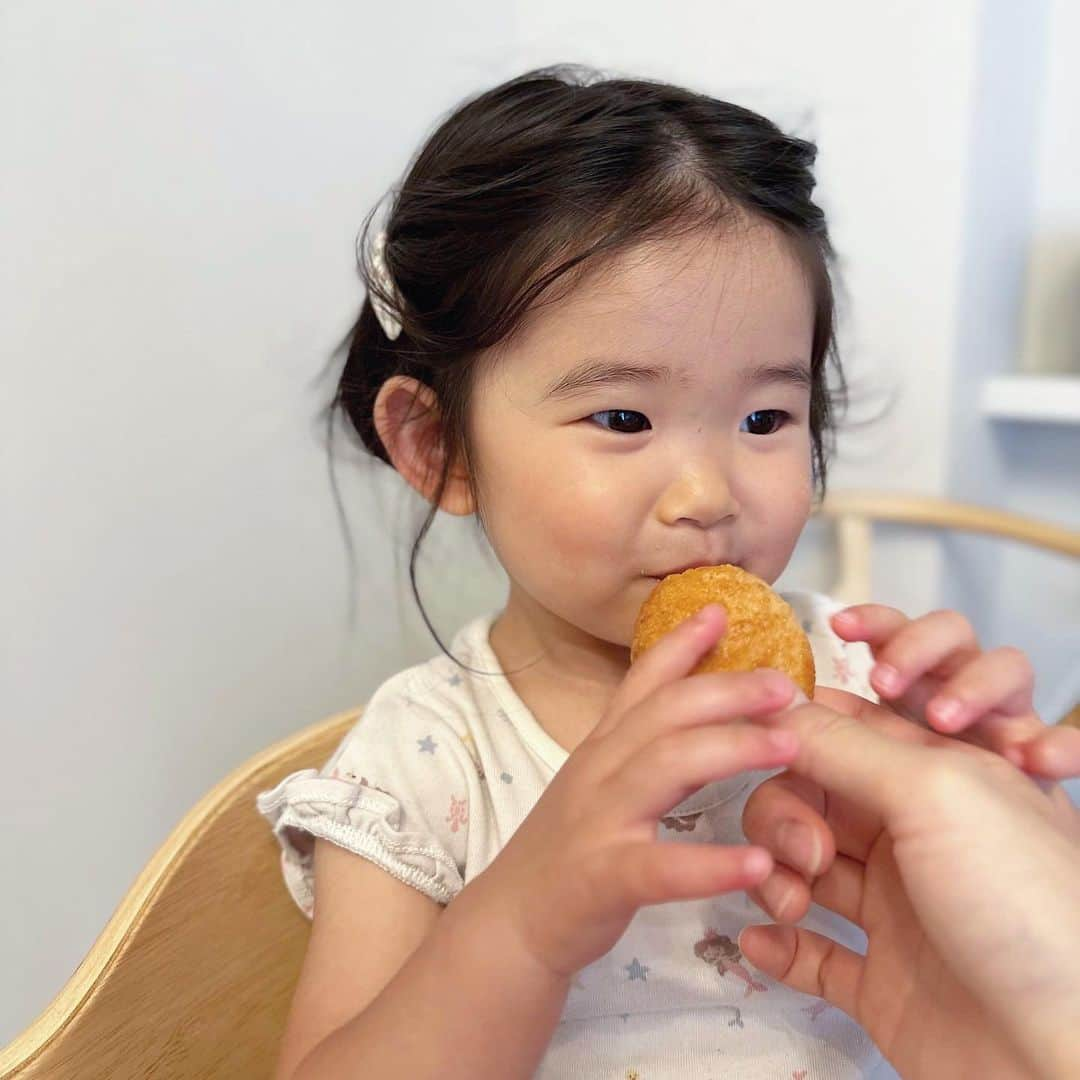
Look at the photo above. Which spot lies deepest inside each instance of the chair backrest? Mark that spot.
(854, 513)
(194, 973)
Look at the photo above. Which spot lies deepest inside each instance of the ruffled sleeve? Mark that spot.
(393, 792)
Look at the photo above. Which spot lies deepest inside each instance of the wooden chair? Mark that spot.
(193, 974)
(853, 514)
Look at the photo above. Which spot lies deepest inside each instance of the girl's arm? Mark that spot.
(482, 991)
(395, 985)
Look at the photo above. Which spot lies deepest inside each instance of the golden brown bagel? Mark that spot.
(762, 630)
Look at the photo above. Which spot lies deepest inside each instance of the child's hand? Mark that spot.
(572, 876)
(932, 670)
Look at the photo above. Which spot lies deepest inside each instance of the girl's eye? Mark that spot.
(764, 422)
(626, 422)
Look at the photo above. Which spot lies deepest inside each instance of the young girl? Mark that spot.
(600, 319)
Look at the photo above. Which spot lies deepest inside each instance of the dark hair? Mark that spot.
(524, 188)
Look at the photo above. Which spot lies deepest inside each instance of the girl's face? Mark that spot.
(658, 417)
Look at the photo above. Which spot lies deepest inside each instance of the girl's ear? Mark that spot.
(407, 419)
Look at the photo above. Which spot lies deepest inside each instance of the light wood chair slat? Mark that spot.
(193, 974)
(854, 512)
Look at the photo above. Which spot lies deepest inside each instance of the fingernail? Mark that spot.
(799, 699)
(887, 678)
(946, 711)
(1014, 755)
(798, 845)
(785, 742)
(776, 892)
(772, 948)
(703, 616)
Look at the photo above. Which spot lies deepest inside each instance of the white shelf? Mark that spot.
(1050, 399)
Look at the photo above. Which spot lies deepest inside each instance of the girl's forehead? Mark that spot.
(699, 300)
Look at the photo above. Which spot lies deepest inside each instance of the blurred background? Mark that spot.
(181, 186)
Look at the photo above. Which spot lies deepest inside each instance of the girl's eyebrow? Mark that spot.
(596, 373)
(796, 373)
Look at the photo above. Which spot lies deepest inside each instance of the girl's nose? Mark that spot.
(701, 494)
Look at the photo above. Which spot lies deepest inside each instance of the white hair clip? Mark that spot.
(388, 319)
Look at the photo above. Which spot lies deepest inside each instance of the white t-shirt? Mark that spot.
(445, 764)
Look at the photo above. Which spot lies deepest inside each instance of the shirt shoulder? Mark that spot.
(397, 789)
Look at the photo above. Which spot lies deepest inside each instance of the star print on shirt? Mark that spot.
(427, 745)
(454, 680)
(637, 970)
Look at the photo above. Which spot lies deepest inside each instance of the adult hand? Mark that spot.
(964, 874)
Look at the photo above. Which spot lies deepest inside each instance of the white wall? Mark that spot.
(1051, 316)
(182, 185)
(1021, 206)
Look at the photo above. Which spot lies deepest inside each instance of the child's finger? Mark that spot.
(1001, 680)
(1003, 735)
(707, 699)
(1053, 755)
(941, 642)
(879, 625)
(873, 623)
(664, 772)
(655, 873)
(674, 656)
(805, 961)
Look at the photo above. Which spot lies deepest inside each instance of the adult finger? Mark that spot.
(804, 827)
(840, 888)
(783, 895)
(885, 719)
(847, 757)
(805, 961)
(785, 815)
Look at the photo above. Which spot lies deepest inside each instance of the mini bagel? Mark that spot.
(762, 629)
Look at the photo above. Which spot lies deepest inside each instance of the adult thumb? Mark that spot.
(847, 756)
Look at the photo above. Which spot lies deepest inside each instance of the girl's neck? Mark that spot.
(564, 675)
